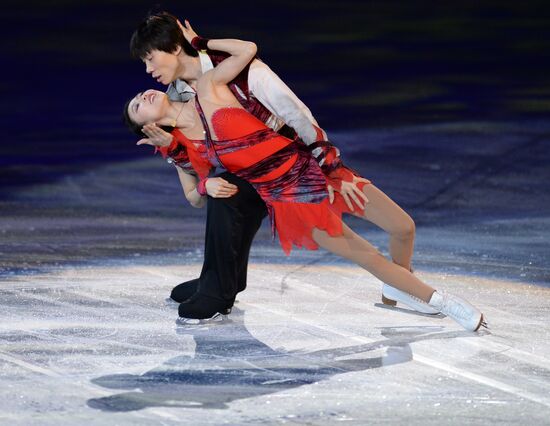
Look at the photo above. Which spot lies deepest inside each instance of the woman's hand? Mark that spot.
(188, 32)
(220, 188)
(155, 136)
(350, 191)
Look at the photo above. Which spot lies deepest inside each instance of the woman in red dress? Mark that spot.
(215, 130)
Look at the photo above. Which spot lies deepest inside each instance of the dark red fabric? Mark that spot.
(199, 43)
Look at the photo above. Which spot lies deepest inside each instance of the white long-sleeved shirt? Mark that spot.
(270, 90)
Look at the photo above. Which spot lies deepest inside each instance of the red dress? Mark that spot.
(284, 174)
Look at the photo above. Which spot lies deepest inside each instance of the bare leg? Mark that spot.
(352, 247)
(386, 214)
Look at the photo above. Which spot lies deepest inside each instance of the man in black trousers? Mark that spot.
(231, 222)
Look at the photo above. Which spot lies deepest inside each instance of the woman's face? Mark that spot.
(148, 107)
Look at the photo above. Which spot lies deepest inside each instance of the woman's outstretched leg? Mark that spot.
(386, 214)
(352, 247)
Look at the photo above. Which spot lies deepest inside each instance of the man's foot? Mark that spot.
(184, 291)
(391, 295)
(458, 309)
(204, 307)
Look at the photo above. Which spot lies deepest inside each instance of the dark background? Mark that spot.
(443, 105)
(357, 64)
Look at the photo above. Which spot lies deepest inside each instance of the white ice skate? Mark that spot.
(458, 309)
(391, 295)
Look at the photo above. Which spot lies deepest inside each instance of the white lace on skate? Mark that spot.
(458, 309)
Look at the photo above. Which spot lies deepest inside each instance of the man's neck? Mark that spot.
(190, 69)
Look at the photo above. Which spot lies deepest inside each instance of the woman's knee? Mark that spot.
(405, 229)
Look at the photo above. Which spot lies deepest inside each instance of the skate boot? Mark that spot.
(458, 309)
(201, 306)
(391, 295)
(184, 291)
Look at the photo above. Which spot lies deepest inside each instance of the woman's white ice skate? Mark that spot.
(458, 309)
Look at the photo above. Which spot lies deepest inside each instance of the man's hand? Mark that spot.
(155, 136)
(187, 31)
(350, 191)
(220, 188)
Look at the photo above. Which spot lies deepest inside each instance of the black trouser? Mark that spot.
(231, 224)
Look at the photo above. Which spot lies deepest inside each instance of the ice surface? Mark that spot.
(304, 344)
(86, 336)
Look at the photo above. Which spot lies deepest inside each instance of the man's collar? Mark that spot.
(181, 86)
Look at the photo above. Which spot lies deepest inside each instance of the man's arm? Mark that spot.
(276, 96)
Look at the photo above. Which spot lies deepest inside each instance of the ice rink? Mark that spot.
(87, 336)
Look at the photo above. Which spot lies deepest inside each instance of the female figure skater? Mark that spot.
(215, 130)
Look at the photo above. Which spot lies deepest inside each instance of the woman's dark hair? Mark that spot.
(159, 31)
(135, 127)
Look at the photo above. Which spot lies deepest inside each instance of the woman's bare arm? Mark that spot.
(216, 187)
(242, 52)
(189, 185)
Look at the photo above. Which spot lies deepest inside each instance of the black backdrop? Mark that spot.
(67, 71)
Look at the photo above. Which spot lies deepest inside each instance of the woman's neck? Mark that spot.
(188, 121)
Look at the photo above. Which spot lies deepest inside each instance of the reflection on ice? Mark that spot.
(230, 364)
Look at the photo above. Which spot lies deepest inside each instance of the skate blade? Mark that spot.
(409, 311)
(482, 323)
(214, 319)
(171, 302)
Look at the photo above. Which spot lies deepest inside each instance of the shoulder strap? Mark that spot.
(208, 136)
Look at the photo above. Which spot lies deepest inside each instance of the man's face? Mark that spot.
(162, 66)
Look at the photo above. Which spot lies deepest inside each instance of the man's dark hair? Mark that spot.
(135, 127)
(159, 31)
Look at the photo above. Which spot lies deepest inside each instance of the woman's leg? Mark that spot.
(386, 214)
(352, 247)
